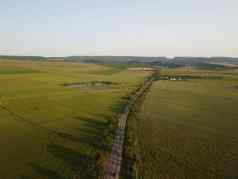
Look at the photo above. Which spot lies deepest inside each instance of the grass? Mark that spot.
(49, 131)
(14, 68)
(186, 129)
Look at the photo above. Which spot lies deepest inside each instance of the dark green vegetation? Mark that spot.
(49, 131)
(187, 128)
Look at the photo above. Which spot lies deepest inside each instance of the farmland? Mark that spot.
(186, 128)
(51, 131)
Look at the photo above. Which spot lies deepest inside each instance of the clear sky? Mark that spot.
(122, 27)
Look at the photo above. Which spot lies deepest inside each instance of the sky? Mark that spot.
(124, 27)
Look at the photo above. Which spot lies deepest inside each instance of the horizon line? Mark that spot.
(140, 56)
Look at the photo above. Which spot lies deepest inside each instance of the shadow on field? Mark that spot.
(44, 172)
(82, 164)
(96, 134)
(93, 133)
(119, 107)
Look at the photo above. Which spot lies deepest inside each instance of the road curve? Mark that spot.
(113, 166)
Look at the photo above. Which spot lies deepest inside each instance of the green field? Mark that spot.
(50, 131)
(187, 129)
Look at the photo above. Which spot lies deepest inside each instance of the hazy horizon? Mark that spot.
(159, 56)
(125, 28)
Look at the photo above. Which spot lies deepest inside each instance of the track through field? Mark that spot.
(115, 161)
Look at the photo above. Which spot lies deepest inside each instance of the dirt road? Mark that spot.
(114, 163)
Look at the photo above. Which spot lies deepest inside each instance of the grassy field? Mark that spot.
(51, 131)
(187, 129)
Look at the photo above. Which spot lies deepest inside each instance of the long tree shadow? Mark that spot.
(99, 123)
(97, 135)
(85, 138)
(45, 172)
(92, 132)
(119, 107)
(83, 165)
(98, 132)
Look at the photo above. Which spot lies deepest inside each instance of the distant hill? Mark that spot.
(157, 61)
(139, 61)
(7, 57)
